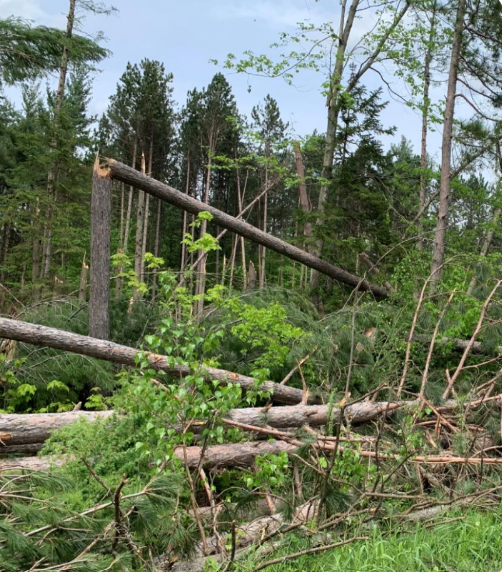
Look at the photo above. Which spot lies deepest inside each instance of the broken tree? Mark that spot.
(127, 175)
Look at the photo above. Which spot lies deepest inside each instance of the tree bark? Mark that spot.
(244, 454)
(109, 351)
(20, 431)
(82, 290)
(305, 203)
(101, 213)
(444, 189)
(425, 124)
(125, 243)
(52, 174)
(124, 173)
(333, 102)
(138, 243)
(156, 244)
(200, 285)
(263, 257)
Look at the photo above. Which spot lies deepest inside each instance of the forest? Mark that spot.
(230, 345)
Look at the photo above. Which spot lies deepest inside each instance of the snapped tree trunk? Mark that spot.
(124, 173)
(101, 212)
(444, 189)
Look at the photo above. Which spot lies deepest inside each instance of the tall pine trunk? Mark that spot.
(304, 200)
(332, 123)
(200, 284)
(127, 226)
(425, 122)
(263, 257)
(52, 174)
(138, 243)
(444, 189)
(185, 220)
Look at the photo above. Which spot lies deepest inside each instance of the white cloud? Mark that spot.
(31, 10)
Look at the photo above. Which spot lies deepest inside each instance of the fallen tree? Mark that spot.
(110, 351)
(244, 454)
(26, 433)
(130, 176)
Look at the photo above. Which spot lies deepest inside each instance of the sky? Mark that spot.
(186, 34)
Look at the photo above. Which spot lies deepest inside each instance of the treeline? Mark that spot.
(341, 195)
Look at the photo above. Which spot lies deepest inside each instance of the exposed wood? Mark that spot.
(109, 351)
(127, 175)
(18, 431)
(101, 213)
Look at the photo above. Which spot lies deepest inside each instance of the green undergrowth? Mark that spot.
(472, 544)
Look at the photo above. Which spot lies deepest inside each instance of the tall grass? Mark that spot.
(473, 544)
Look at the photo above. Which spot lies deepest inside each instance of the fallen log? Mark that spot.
(110, 351)
(25, 433)
(130, 176)
(243, 455)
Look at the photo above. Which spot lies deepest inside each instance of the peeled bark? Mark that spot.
(101, 213)
(109, 351)
(124, 173)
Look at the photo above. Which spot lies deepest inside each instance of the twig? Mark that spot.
(315, 550)
(471, 341)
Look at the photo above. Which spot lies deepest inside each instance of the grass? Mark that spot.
(473, 544)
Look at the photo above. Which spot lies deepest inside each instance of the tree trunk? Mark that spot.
(345, 28)
(35, 265)
(124, 173)
(82, 290)
(444, 189)
(116, 353)
(28, 432)
(52, 174)
(263, 256)
(125, 244)
(200, 285)
(138, 243)
(184, 227)
(156, 244)
(101, 213)
(425, 123)
(334, 102)
(147, 215)
(304, 200)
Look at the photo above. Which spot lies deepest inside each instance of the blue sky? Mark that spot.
(186, 34)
